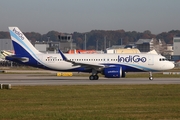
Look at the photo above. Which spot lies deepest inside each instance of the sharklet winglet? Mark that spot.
(62, 55)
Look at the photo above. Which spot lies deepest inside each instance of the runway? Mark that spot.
(34, 79)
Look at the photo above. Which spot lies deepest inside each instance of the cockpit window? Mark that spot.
(163, 59)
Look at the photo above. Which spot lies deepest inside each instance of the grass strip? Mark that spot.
(102, 102)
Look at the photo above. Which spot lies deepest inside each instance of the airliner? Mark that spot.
(110, 65)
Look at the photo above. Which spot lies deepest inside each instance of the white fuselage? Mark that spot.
(144, 62)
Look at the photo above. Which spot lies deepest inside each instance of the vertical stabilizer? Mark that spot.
(21, 44)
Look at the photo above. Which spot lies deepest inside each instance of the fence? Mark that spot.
(10, 64)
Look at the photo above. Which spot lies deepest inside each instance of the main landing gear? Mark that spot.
(94, 75)
(150, 76)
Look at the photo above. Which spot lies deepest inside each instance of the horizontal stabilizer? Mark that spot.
(22, 59)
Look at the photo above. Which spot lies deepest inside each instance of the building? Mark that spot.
(6, 44)
(176, 48)
(146, 45)
(123, 50)
(176, 45)
(41, 47)
(54, 46)
(169, 50)
(66, 46)
(66, 42)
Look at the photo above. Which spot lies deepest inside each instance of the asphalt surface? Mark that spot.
(52, 79)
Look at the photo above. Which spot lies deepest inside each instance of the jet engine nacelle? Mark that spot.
(113, 72)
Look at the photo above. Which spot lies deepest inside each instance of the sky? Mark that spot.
(68, 16)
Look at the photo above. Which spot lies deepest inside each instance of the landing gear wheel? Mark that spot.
(151, 78)
(93, 77)
(96, 77)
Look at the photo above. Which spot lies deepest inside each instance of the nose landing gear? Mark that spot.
(150, 76)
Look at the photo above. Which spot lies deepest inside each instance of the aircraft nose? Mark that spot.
(170, 65)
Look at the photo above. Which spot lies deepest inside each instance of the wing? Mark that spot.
(86, 65)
